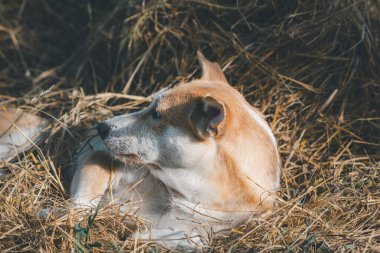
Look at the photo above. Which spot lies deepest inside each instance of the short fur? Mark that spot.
(19, 131)
(199, 158)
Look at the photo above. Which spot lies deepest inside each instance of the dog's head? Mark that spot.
(179, 128)
(197, 132)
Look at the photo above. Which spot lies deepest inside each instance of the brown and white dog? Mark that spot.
(200, 158)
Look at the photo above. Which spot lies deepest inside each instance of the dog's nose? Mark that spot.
(103, 130)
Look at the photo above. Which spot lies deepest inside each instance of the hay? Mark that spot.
(312, 66)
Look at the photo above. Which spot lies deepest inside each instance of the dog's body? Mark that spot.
(198, 159)
(19, 131)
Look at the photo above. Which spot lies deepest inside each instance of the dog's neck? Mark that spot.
(216, 184)
(235, 176)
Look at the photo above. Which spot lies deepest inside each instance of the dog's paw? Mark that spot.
(43, 214)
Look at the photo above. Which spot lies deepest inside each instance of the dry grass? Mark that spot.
(312, 66)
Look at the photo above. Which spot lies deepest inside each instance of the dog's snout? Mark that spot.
(103, 129)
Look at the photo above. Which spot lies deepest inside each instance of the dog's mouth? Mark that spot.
(134, 159)
(131, 156)
(127, 158)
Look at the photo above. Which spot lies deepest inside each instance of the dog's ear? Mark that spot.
(211, 71)
(207, 116)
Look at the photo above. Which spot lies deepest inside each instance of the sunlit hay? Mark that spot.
(312, 66)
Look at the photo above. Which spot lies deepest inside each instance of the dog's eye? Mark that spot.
(155, 114)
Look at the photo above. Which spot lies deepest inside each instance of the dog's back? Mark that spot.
(19, 131)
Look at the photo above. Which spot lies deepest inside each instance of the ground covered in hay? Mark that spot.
(312, 66)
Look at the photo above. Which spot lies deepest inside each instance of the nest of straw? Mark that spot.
(312, 66)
